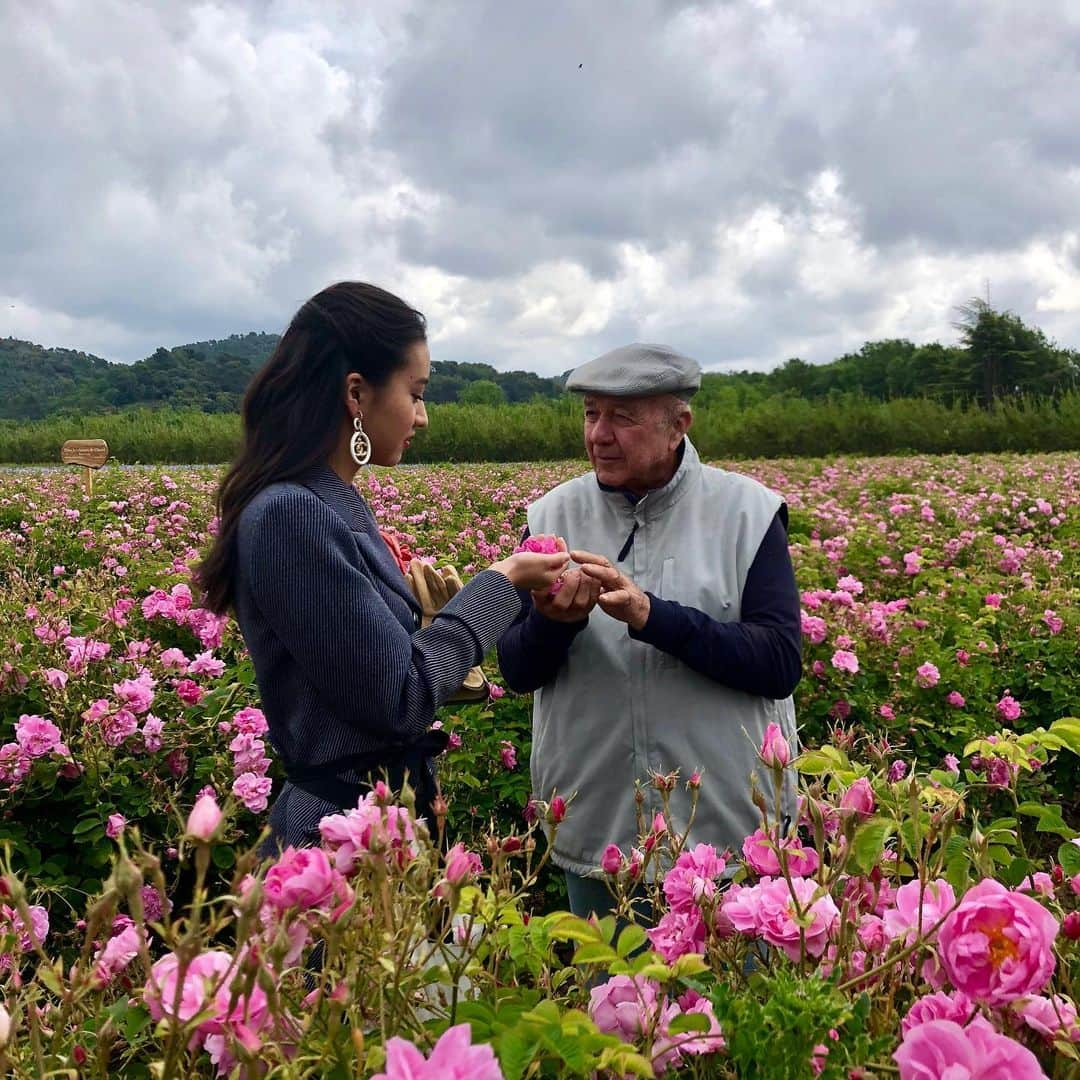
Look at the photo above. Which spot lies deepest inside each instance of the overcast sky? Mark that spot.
(745, 180)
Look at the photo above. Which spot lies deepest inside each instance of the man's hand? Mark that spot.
(575, 599)
(619, 596)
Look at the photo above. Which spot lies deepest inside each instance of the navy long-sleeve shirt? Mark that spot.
(760, 654)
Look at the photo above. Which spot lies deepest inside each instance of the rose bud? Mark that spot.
(204, 819)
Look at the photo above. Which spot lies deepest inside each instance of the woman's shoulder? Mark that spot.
(287, 503)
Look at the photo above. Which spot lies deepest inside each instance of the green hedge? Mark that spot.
(776, 427)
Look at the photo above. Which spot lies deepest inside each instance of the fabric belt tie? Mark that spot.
(415, 758)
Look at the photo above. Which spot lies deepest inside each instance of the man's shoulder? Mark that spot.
(567, 493)
(717, 478)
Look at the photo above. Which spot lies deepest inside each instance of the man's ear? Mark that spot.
(681, 421)
(359, 394)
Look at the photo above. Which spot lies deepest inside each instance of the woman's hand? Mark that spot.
(532, 570)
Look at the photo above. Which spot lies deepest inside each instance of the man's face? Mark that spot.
(631, 442)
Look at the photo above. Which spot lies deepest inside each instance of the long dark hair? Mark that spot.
(293, 409)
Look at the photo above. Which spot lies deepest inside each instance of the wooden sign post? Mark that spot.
(91, 454)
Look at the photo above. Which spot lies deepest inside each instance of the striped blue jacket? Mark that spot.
(333, 630)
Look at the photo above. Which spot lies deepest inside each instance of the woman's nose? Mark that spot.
(421, 415)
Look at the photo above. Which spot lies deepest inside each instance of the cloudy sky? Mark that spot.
(745, 180)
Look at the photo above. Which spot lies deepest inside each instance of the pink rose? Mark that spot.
(452, 1058)
(917, 908)
(940, 1006)
(462, 865)
(542, 545)
(250, 721)
(761, 856)
(368, 833)
(302, 878)
(788, 918)
(253, 791)
(927, 675)
(611, 860)
(775, 751)
(859, 798)
(508, 754)
(693, 878)
(998, 945)
(1053, 1018)
(843, 660)
(955, 699)
(1009, 708)
(678, 933)
(943, 1050)
(115, 826)
(623, 1006)
(204, 819)
(36, 736)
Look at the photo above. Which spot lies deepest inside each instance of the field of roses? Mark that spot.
(920, 919)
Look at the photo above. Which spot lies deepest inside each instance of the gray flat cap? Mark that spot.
(637, 371)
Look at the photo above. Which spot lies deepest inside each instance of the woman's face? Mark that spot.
(396, 409)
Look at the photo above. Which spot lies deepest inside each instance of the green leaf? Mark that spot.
(823, 759)
(1016, 871)
(85, 826)
(630, 940)
(223, 855)
(595, 952)
(869, 842)
(686, 1022)
(1069, 857)
(1067, 729)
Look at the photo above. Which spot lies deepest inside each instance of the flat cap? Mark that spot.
(637, 371)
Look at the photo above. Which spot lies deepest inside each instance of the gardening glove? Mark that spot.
(433, 589)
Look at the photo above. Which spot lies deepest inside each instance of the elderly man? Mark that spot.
(696, 646)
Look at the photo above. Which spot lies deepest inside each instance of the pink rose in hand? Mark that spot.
(542, 545)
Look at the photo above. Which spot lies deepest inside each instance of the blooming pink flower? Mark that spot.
(775, 750)
(543, 545)
(843, 660)
(943, 1050)
(955, 699)
(452, 1058)
(205, 663)
(781, 923)
(136, 694)
(998, 945)
(952, 764)
(694, 877)
(993, 600)
(56, 678)
(624, 1006)
(151, 732)
(189, 691)
(119, 726)
(119, 951)
(462, 865)
(917, 908)
(250, 721)
(1009, 708)
(253, 791)
(369, 831)
(204, 819)
(174, 659)
(940, 1006)
(36, 736)
(927, 675)
(508, 754)
(115, 826)
(303, 878)
(762, 857)
(678, 933)
(1053, 1018)
(1053, 621)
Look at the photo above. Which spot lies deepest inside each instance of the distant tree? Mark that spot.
(1003, 356)
(483, 392)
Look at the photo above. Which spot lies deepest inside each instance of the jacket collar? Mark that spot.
(661, 499)
(351, 506)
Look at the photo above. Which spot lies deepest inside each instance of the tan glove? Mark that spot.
(433, 589)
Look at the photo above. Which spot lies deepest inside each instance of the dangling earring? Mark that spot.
(359, 444)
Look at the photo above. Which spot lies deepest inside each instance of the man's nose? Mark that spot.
(602, 431)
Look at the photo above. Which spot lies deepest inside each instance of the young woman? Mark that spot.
(349, 682)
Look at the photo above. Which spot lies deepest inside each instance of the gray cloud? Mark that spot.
(748, 180)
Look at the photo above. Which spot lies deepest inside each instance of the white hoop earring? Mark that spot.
(360, 444)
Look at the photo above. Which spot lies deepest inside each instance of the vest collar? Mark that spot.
(660, 499)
